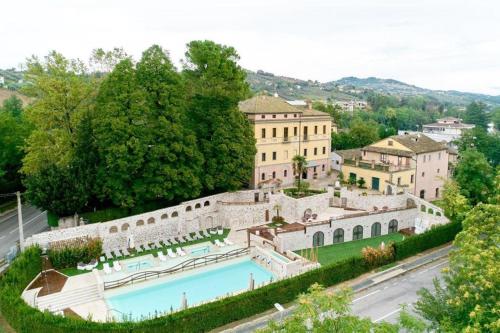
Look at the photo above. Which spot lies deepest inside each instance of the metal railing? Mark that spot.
(188, 264)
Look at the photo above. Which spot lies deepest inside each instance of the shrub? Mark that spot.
(375, 257)
(52, 219)
(69, 253)
(361, 183)
(278, 219)
(436, 236)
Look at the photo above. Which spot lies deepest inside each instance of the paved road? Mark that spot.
(384, 301)
(34, 221)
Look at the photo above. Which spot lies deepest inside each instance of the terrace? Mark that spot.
(378, 166)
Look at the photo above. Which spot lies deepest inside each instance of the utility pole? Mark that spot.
(20, 220)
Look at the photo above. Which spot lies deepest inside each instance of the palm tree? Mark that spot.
(299, 165)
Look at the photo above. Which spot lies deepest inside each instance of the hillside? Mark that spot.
(356, 88)
(5, 93)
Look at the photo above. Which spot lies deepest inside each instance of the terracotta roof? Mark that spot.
(267, 104)
(349, 154)
(389, 151)
(270, 104)
(419, 143)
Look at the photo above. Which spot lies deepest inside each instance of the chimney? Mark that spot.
(309, 104)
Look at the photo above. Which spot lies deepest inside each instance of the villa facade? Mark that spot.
(412, 162)
(282, 131)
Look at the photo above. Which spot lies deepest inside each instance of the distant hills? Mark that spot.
(357, 88)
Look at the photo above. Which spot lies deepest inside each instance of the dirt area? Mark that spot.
(68, 313)
(51, 282)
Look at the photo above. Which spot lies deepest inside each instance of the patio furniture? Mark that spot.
(161, 256)
(139, 249)
(152, 245)
(219, 243)
(171, 254)
(107, 269)
(173, 241)
(220, 231)
(125, 252)
(146, 247)
(180, 240)
(228, 242)
(117, 266)
(81, 266)
(188, 238)
(213, 231)
(158, 245)
(180, 252)
(102, 258)
(91, 265)
(118, 253)
(108, 254)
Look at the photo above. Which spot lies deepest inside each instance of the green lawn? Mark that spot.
(337, 252)
(73, 271)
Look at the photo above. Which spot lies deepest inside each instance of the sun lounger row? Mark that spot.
(116, 266)
(178, 252)
(90, 266)
(224, 243)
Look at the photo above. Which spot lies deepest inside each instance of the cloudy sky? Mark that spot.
(437, 44)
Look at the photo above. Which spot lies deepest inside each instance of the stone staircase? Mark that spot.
(65, 299)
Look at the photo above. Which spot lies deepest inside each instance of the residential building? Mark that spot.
(351, 105)
(446, 129)
(283, 131)
(412, 162)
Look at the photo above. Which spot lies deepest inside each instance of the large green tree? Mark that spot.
(474, 175)
(468, 301)
(476, 114)
(172, 165)
(455, 205)
(486, 143)
(360, 134)
(216, 83)
(14, 129)
(63, 94)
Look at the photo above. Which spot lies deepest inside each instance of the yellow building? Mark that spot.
(283, 131)
(415, 162)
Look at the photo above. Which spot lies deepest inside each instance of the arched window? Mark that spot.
(164, 216)
(318, 239)
(357, 232)
(113, 230)
(198, 205)
(393, 226)
(139, 223)
(430, 211)
(422, 193)
(338, 235)
(438, 213)
(376, 229)
(188, 209)
(151, 220)
(175, 214)
(125, 226)
(207, 203)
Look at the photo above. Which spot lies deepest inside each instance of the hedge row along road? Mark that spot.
(203, 318)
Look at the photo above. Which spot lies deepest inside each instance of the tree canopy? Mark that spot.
(474, 175)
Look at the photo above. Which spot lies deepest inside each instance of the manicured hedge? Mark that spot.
(74, 251)
(203, 318)
(434, 237)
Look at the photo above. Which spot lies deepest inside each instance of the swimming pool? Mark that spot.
(200, 250)
(135, 266)
(200, 286)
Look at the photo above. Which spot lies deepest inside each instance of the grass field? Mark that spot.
(337, 252)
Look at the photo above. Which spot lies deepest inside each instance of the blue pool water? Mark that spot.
(202, 286)
(138, 265)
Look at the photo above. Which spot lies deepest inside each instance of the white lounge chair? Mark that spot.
(220, 231)
(81, 266)
(102, 258)
(188, 238)
(219, 243)
(171, 254)
(180, 252)
(173, 241)
(117, 266)
(228, 242)
(106, 268)
(146, 247)
(161, 256)
(125, 252)
(139, 249)
(152, 245)
(158, 245)
(180, 240)
(204, 234)
(108, 254)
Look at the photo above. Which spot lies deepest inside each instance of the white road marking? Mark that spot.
(13, 231)
(441, 263)
(372, 293)
(387, 315)
(35, 218)
(424, 271)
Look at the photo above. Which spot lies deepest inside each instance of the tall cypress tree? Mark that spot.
(119, 129)
(216, 83)
(172, 165)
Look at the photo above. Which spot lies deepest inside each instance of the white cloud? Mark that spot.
(438, 44)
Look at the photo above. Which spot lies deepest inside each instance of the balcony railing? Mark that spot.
(377, 166)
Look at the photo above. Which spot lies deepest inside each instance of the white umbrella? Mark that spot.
(131, 243)
(184, 302)
(382, 246)
(251, 282)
